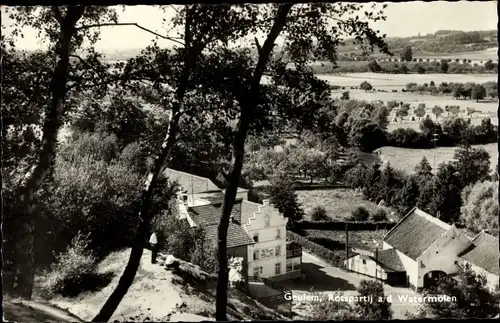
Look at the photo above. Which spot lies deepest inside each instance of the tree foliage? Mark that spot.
(480, 207)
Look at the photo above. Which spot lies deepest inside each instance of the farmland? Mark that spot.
(399, 81)
(406, 159)
(480, 55)
(338, 203)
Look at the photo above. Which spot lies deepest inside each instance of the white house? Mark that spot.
(257, 232)
(421, 248)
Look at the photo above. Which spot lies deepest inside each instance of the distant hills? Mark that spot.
(441, 42)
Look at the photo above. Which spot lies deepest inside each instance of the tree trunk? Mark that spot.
(134, 261)
(247, 103)
(35, 177)
(127, 278)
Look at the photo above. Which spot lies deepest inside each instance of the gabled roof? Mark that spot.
(236, 235)
(209, 214)
(389, 260)
(483, 253)
(191, 183)
(415, 233)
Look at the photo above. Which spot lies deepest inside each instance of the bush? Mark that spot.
(322, 252)
(360, 214)
(75, 271)
(379, 215)
(319, 213)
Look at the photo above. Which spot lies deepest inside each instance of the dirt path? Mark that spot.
(30, 311)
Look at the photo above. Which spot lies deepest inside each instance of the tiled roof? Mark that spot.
(191, 183)
(209, 214)
(484, 253)
(236, 235)
(389, 260)
(415, 233)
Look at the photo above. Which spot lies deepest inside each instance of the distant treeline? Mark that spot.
(457, 90)
(450, 133)
(417, 66)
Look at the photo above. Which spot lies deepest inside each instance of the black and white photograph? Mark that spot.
(261, 161)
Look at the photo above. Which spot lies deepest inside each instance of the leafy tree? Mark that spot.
(489, 65)
(360, 213)
(390, 184)
(407, 197)
(58, 27)
(367, 136)
(407, 54)
(283, 197)
(474, 299)
(345, 95)
(473, 164)
(402, 113)
(379, 215)
(444, 66)
(380, 308)
(318, 213)
(478, 92)
(356, 176)
(423, 169)
(374, 66)
(420, 111)
(365, 86)
(442, 194)
(437, 110)
(480, 207)
(323, 310)
(420, 69)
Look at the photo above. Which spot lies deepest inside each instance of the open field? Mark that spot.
(399, 81)
(338, 202)
(480, 55)
(486, 109)
(405, 159)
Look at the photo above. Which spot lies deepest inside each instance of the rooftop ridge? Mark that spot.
(189, 174)
(432, 219)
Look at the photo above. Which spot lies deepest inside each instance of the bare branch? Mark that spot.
(174, 39)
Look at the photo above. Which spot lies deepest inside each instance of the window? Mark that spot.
(289, 266)
(296, 265)
(257, 271)
(256, 237)
(277, 269)
(277, 251)
(278, 233)
(184, 198)
(256, 255)
(267, 221)
(364, 262)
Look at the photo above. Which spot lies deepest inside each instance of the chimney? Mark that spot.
(265, 202)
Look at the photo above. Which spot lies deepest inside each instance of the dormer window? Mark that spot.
(184, 198)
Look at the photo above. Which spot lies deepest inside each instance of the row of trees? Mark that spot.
(469, 90)
(421, 67)
(452, 193)
(202, 82)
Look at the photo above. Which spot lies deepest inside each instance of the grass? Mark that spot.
(406, 159)
(338, 202)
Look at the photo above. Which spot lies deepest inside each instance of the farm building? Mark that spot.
(421, 248)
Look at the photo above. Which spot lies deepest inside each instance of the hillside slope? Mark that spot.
(160, 295)
(32, 311)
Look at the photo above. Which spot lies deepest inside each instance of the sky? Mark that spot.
(403, 20)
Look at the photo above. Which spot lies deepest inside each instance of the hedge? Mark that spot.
(330, 256)
(341, 225)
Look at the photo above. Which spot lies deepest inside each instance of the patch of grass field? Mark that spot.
(338, 202)
(405, 159)
(362, 239)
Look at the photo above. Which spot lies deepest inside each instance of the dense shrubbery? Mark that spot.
(319, 214)
(328, 255)
(451, 132)
(342, 225)
(74, 271)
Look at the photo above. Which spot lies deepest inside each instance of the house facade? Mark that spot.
(256, 233)
(422, 248)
